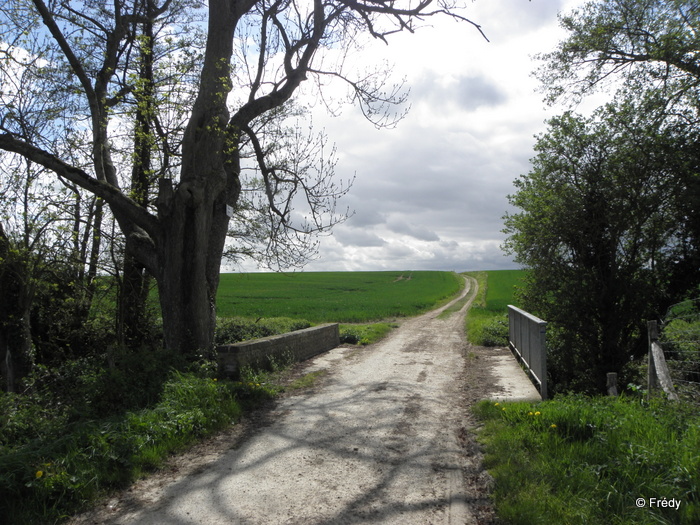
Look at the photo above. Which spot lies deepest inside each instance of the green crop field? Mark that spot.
(349, 297)
(487, 323)
(501, 288)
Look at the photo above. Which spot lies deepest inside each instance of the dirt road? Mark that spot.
(385, 438)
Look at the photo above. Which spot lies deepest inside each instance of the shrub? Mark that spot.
(495, 332)
(364, 334)
(235, 329)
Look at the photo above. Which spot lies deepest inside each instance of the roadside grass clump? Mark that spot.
(487, 320)
(364, 334)
(45, 479)
(307, 380)
(586, 460)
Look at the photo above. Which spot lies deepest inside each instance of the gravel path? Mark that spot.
(385, 438)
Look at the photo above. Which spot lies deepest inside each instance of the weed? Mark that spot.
(68, 466)
(307, 380)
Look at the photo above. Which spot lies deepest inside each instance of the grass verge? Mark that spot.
(605, 460)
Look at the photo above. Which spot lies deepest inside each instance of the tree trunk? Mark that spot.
(131, 303)
(189, 277)
(193, 217)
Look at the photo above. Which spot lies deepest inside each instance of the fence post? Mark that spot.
(612, 384)
(652, 381)
(658, 369)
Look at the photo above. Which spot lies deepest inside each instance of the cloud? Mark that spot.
(465, 92)
(348, 236)
(400, 225)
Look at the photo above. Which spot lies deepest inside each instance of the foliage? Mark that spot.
(235, 329)
(495, 332)
(645, 50)
(598, 232)
(680, 339)
(587, 460)
(57, 473)
(136, 88)
(351, 297)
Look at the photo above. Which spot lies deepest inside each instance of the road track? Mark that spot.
(385, 438)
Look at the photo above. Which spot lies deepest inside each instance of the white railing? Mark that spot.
(527, 335)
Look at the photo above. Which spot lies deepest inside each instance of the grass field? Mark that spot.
(349, 297)
(486, 322)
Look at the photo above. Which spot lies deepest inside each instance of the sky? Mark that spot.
(430, 194)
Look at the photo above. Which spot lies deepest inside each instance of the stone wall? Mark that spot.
(292, 346)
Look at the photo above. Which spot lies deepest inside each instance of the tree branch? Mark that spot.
(129, 214)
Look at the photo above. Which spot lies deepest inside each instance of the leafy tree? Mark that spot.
(650, 49)
(654, 43)
(597, 229)
(256, 56)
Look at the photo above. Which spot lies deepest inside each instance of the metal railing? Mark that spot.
(528, 336)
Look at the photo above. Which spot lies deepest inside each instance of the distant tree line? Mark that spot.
(609, 214)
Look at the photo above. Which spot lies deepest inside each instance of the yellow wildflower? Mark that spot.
(552, 426)
(39, 473)
(537, 413)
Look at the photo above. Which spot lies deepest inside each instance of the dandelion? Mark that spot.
(552, 426)
(504, 409)
(496, 404)
(529, 413)
(537, 413)
(39, 473)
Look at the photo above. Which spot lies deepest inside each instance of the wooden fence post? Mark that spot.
(612, 384)
(652, 381)
(658, 369)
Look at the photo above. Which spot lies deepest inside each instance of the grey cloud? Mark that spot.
(522, 17)
(349, 236)
(399, 225)
(466, 92)
(475, 92)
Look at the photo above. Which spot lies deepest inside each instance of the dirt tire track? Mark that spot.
(387, 437)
